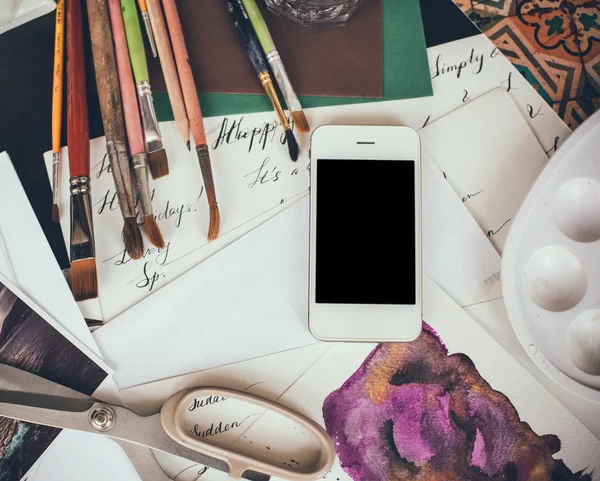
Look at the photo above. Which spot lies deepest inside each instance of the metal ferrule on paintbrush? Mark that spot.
(285, 85)
(82, 229)
(140, 167)
(205, 167)
(269, 86)
(149, 122)
(55, 163)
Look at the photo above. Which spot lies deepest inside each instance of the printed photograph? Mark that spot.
(30, 343)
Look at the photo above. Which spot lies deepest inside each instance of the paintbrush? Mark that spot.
(57, 90)
(169, 70)
(285, 85)
(192, 104)
(92, 324)
(148, 27)
(83, 254)
(112, 119)
(259, 63)
(159, 164)
(133, 124)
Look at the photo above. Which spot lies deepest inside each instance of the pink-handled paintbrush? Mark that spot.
(133, 125)
(192, 105)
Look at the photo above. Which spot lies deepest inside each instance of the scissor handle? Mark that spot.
(172, 416)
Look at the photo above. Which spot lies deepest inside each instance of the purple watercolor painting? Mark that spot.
(412, 412)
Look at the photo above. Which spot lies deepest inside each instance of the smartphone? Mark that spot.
(365, 234)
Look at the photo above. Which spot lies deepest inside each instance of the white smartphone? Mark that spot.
(365, 234)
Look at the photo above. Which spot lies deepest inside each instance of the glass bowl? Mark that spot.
(314, 13)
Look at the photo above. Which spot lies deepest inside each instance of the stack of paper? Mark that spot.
(257, 286)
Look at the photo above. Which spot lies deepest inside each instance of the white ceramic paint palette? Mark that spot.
(551, 265)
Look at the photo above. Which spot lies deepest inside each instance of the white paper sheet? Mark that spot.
(253, 174)
(34, 267)
(75, 455)
(269, 376)
(490, 163)
(5, 267)
(236, 305)
(455, 252)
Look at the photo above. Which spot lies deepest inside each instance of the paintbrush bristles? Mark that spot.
(301, 122)
(292, 145)
(55, 214)
(84, 280)
(159, 164)
(132, 238)
(153, 232)
(215, 222)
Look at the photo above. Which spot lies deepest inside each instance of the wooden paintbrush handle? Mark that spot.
(57, 84)
(78, 133)
(133, 124)
(167, 61)
(106, 71)
(186, 77)
(111, 108)
(135, 43)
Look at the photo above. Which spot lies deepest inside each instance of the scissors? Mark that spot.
(30, 398)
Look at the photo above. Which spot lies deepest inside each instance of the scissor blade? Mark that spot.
(13, 379)
(45, 401)
(37, 409)
(27, 397)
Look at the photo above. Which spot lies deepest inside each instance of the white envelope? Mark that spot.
(32, 262)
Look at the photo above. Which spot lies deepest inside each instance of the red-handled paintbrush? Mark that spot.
(83, 255)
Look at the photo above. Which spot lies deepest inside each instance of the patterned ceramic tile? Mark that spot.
(555, 44)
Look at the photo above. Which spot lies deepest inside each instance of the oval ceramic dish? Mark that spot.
(550, 274)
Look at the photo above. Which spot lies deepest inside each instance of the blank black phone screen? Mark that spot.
(365, 232)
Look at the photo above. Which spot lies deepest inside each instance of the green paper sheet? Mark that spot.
(405, 70)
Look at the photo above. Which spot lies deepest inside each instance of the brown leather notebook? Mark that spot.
(344, 62)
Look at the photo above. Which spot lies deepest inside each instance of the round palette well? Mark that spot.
(550, 274)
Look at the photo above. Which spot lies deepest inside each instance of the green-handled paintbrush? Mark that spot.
(257, 58)
(268, 46)
(159, 164)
